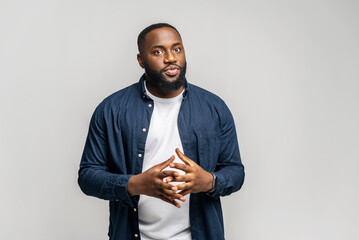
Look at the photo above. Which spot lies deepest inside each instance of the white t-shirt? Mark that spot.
(158, 219)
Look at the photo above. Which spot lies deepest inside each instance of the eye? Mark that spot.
(177, 49)
(158, 52)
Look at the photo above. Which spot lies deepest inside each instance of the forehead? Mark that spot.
(162, 36)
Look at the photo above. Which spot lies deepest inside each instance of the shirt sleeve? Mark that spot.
(94, 176)
(229, 170)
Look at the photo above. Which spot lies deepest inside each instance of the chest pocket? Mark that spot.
(208, 150)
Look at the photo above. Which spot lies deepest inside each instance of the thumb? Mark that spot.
(185, 159)
(166, 163)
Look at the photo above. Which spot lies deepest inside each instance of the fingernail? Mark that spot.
(183, 199)
(174, 189)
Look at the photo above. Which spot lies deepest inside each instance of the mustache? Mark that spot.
(171, 66)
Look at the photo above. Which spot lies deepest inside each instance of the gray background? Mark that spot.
(288, 70)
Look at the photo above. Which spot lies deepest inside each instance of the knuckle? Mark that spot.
(167, 193)
(155, 183)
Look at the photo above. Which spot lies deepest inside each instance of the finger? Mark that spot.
(185, 159)
(172, 195)
(185, 192)
(181, 166)
(164, 174)
(183, 186)
(172, 202)
(163, 185)
(182, 178)
(165, 164)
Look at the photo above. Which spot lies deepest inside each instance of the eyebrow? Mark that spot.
(161, 46)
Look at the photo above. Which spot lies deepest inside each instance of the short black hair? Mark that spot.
(143, 33)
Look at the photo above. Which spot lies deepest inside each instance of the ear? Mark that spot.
(140, 60)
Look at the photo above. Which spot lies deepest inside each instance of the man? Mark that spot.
(162, 150)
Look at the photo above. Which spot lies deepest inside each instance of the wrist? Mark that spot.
(209, 182)
(214, 184)
(132, 186)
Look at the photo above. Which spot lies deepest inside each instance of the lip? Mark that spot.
(171, 70)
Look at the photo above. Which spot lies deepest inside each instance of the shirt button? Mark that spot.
(135, 210)
(139, 155)
(136, 235)
(150, 105)
(144, 129)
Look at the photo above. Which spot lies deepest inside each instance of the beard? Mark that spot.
(156, 78)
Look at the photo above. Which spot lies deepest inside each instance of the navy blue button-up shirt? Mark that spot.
(115, 147)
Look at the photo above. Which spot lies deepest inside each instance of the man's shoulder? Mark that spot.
(120, 97)
(205, 95)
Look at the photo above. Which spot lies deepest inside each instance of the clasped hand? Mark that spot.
(151, 183)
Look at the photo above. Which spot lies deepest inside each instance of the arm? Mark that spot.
(229, 168)
(96, 179)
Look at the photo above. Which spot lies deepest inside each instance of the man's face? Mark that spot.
(163, 58)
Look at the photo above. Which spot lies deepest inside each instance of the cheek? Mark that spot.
(181, 58)
(181, 62)
(156, 63)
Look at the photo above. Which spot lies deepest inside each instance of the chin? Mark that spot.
(171, 79)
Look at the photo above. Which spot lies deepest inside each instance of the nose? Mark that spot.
(170, 58)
